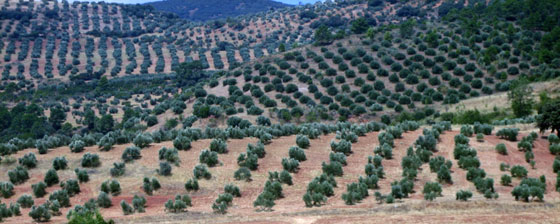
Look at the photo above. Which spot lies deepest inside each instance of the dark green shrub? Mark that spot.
(192, 185)
(82, 175)
(508, 133)
(209, 158)
(60, 163)
(164, 169)
(90, 160)
(40, 213)
(118, 169)
(39, 189)
(142, 140)
(51, 177)
(103, 200)
(501, 148)
(182, 143)
(219, 146)
(518, 171)
(332, 168)
(243, 173)
(131, 153)
(302, 141)
(431, 190)
(28, 160)
(233, 190)
(505, 180)
(71, 187)
(463, 195)
(290, 164)
(25, 201)
(112, 187)
(126, 208)
(201, 171)
(62, 197)
(297, 154)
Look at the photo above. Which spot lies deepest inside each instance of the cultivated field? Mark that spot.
(291, 208)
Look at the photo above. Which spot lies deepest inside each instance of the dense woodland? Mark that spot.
(86, 74)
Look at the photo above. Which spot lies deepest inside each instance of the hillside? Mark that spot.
(203, 10)
(354, 111)
(291, 207)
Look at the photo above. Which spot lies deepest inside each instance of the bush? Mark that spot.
(40, 213)
(431, 190)
(192, 185)
(209, 158)
(82, 175)
(508, 133)
(297, 154)
(106, 143)
(338, 157)
(71, 187)
(77, 146)
(384, 151)
(222, 202)
(118, 169)
(553, 139)
(62, 197)
(463, 195)
(18, 175)
(385, 137)
(219, 146)
(142, 140)
(51, 178)
(60, 163)
(518, 171)
(103, 200)
(90, 160)
(501, 148)
(243, 173)
(126, 208)
(112, 187)
(164, 169)
(505, 180)
(554, 149)
(139, 202)
(179, 205)
(444, 175)
(201, 171)
(28, 160)
(249, 160)
(332, 168)
(302, 141)
(290, 164)
(233, 190)
(529, 188)
(182, 143)
(355, 192)
(25, 201)
(170, 155)
(131, 153)
(149, 186)
(480, 137)
(466, 162)
(343, 146)
(467, 130)
(39, 189)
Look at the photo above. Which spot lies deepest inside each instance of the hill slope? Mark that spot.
(202, 10)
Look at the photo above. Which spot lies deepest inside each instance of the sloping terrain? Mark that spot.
(291, 208)
(199, 10)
